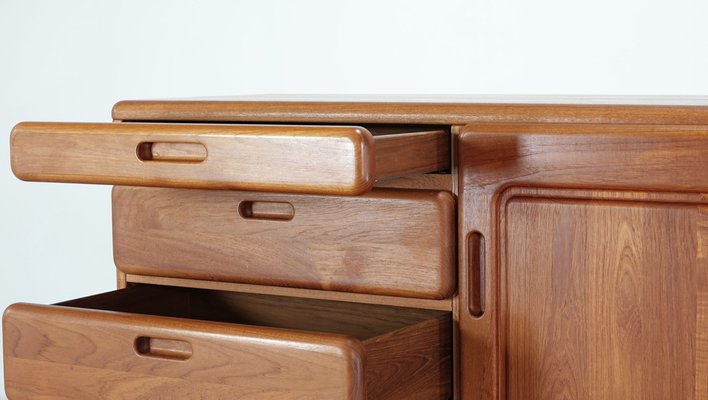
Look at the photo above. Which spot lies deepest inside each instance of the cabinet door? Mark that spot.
(584, 262)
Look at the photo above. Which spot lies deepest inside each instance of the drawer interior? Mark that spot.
(362, 321)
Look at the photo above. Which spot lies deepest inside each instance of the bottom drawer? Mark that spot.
(154, 342)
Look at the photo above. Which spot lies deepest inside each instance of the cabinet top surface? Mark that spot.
(430, 109)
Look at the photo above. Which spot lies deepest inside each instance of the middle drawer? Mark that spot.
(388, 242)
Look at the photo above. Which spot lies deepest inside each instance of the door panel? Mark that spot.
(600, 298)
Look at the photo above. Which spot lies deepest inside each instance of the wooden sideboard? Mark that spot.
(381, 249)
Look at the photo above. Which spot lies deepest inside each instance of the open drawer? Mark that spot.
(284, 158)
(153, 342)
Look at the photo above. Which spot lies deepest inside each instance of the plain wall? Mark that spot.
(71, 60)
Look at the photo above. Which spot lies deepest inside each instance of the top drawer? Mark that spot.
(344, 160)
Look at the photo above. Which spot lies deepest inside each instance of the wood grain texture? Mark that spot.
(448, 110)
(300, 159)
(419, 181)
(610, 309)
(246, 359)
(389, 242)
(412, 363)
(410, 153)
(702, 345)
(594, 244)
(73, 351)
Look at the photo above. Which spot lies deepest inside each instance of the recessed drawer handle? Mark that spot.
(268, 210)
(171, 151)
(168, 349)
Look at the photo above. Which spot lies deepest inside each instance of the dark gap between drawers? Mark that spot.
(362, 321)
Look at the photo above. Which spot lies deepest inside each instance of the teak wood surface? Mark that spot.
(388, 242)
(583, 262)
(155, 342)
(420, 181)
(284, 158)
(583, 266)
(442, 110)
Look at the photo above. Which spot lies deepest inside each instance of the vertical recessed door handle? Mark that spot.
(476, 271)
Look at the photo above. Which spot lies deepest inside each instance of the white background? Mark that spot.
(71, 60)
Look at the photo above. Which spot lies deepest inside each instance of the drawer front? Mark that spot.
(294, 159)
(76, 352)
(66, 346)
(388, 242)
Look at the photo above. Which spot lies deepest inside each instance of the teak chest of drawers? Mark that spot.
(359, 249)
